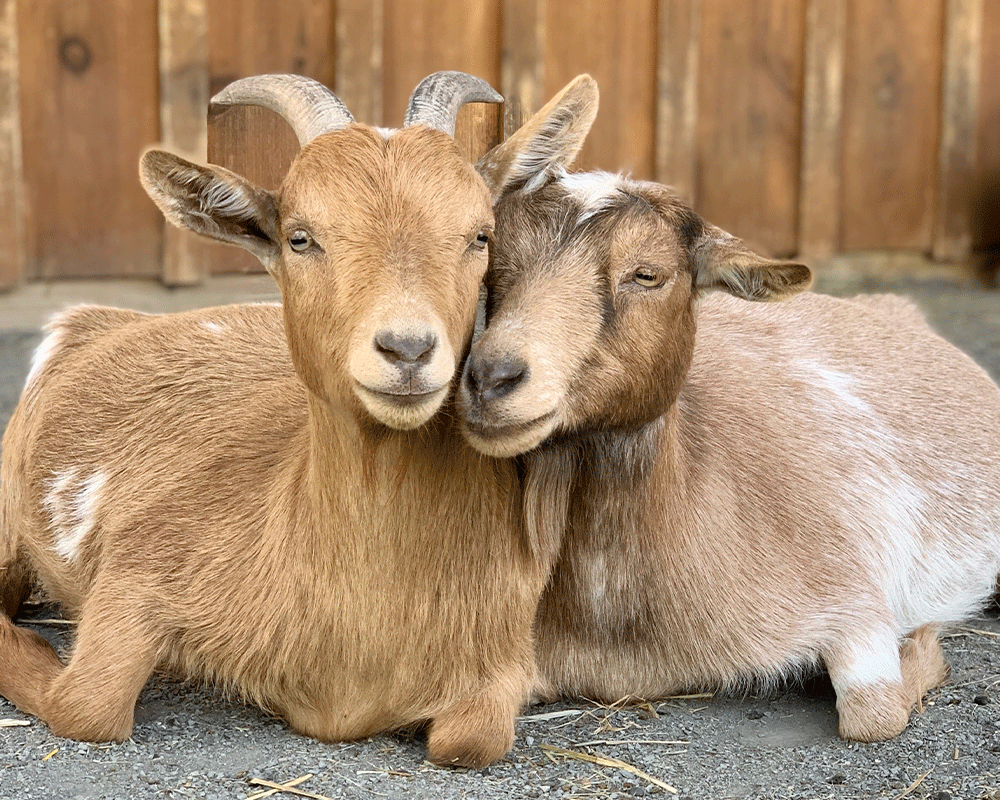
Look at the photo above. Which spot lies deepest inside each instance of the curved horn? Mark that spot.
(437, 98)
(307, 105)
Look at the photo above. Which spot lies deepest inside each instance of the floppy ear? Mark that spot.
(549, 140)
(212, 201)
(723, 262)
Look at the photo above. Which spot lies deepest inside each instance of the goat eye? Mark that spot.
(299, 241)
(647, 277)
(482, 239)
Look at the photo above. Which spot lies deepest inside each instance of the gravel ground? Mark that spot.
(189, 742)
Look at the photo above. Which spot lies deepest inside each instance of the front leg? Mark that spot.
(872, 699)
(478, 730)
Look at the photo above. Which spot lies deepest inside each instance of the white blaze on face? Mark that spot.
(72, 505)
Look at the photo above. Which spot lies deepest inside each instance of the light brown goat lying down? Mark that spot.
(747, 490)
(265, 496)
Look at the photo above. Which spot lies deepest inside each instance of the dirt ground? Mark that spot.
(189, 742)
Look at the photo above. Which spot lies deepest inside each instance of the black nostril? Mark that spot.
(409, 349)
(490, 380)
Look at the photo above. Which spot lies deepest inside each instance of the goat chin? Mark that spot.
(402, 412)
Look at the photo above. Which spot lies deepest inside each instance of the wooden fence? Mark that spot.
(805, 126)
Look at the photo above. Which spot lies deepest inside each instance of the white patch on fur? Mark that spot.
(46, 348)
(72, 505)
(870, 661)
(593, 190)
(213, 327)
(385, 133)
(928, 545)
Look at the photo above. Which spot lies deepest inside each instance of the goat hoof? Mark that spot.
(873, 713)
(470, 735)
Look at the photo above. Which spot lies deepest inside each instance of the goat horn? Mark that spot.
(438, 97)
(307, 105)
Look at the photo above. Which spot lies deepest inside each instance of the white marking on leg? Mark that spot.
(869, 661)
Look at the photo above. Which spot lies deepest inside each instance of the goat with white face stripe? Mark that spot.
(264, 496)
(745, 490)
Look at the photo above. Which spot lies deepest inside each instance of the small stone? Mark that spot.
(981, 700)
(754, 713)
(838, 779)
(942, 796)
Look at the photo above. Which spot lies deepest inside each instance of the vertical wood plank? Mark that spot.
(11, 172)
(183, 26)
(616, 44)
(90, 101)
(892, 102)
(959, 106)
(360, 29)
(253, 37)
(446, 34)
(986, 200)
(749, 119)
(522, 61)
(679, 23)
(822, 113)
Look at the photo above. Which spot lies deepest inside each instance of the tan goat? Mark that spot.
(813, 482)
(263, 496)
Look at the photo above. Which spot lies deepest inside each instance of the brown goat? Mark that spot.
(264, 496)
(809, 482)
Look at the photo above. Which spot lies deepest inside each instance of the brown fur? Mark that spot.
(219, 494)
(752, 489)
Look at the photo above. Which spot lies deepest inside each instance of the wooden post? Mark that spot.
(360, 31)
(822, 114)
(183, 103)
(959, 109)
(11, 162)
(677, 94)
(522, 61)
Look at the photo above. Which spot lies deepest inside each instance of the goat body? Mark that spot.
(815, 481)
(282, 550)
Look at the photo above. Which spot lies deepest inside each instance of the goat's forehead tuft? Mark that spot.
(593, 191)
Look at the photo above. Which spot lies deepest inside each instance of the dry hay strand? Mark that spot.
(912, 787)
(286, 788)
(605, 761)
(14, 723)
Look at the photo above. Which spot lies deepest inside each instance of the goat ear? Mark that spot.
(723, 262)
(212, 201)
(549, 140)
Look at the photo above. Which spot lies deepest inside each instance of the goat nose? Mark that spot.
(405, 349)
(490, 380)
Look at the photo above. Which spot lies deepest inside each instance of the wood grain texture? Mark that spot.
(360, 26)
(749, 119)
(447, 34)
(183, 27)
(90, 101)
(616, 44)
(822, 120)
(986, 183)
(522, 61)
(253, 37)
(892, 102)
(11, 171)
(959, 108)
(678, 44)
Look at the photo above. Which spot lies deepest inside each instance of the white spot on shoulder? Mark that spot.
(72, 505)
(385, 133)
(212, 327)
